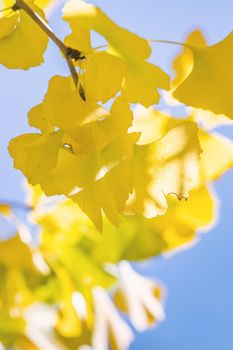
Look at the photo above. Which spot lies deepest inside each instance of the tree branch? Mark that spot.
(68, 52)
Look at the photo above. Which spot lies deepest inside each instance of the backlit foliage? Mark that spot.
(132, 182)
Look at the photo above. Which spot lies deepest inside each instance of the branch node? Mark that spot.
(16, 7)
(74, 54)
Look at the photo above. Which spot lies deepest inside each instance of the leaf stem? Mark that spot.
(6, 9)
(20, 4)
(170, 42)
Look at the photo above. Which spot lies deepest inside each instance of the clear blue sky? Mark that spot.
(200, 281)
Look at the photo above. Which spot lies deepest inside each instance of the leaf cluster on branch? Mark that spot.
(122, 169)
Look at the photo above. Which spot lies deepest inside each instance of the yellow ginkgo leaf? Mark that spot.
(183, 63)
(88, 164)
(38, 119)
(64, 108)
(209, 85)
(15, 253)
(208, 120)
(217, 156)
(8, 23)
(25, 43)
(217, 150)
(139, 238)
(20, 143)
(141, 78)
(169, 165)
(102, 76)
(99, 180)
(82, 15)
(152, 124)
(36, 156)
(46, 5)
(179, 225)
(96, 135)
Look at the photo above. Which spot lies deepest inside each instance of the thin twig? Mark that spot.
(72, 71)
(20, 4)
(6, 9)
(100, 47)
(170, 42)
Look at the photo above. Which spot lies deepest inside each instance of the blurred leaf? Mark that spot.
(14, 253)
(10, 328)
(5, 209)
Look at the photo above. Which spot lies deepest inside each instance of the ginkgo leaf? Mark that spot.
(217, 150)
(15, 253)
(183, 63)
(99, 180)
(136, 238)
(87, 164)
(139, 238)
(82, 15)
(169, 165)
(182, 220)
(24, 46)
(217, 156)
(208, 120)
(96, 173)
(141, 78)
(64, 108)
(45, 4)
(96, 135)
(89, 273)
(209, 84)
(38, 119)
(37, 156)
(8, 23)
(151, 124)
(102, 76)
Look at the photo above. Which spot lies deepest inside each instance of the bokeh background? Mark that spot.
(199, 305)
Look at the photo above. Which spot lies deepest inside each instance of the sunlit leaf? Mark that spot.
(209, 84)
(22, 42)
(102, 76)
(169, 165)
(183, 63)
(141, 78)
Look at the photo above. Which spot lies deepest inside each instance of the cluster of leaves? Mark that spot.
(122, 169)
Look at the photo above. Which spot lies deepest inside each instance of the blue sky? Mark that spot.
(200, 281)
